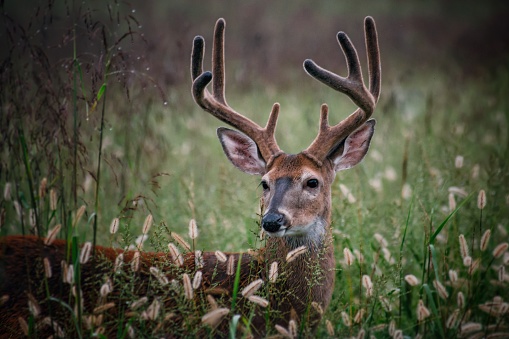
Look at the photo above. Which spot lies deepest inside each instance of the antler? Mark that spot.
(353, 86)
(215, 103)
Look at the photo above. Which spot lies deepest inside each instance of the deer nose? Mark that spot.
(272, 222)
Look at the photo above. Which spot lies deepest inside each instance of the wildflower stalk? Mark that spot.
(236, 283)
(29, 175)
(102, 92)
(400, 261)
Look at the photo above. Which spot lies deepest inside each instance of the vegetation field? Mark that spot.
(98, 125)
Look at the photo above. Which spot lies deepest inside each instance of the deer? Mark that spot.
(297, 262)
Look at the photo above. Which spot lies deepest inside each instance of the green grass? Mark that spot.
(164, 159)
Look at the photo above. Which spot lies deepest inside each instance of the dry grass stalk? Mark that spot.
(160, 276)
(349, 258)
(115, 223)
(52, 234)
(470, 327)
(47, 268)
(214, 317)
(103, 308)
(453, 276)
(452, 202)
(79, 214)
(359, 256)
(500, 249)
(23, 325)
(135, 304)
(292, 255)
(140, 241)
(411, 280)
(198, 259)
(385, 303)
(381, 240)
(292, 328)
(105, 290)
(212, 302)
(463, 246)
(368, 285)
(188, 287)
(119, 262)
(392, 327)
(130, 331)
(135, 262)
(53, 199)
(422, 311)
(220, 256)
(474, 266)
(379, 327)
(459, 191)
(33, 306)
(273, 272)
(283, 331)
(193, 229)
(230, 266)
(485, 240)
(346, 319)
(359, 315)
(47, 321)
(152, 312)
(460, 299)
(481, 200)
(7, 191)
(175, 254)
(442, 291)
(318, 308)
(452, 320)
(147, 224)
(476, 169)
(86, 250)
(181, 241)
(258, 300)
(197, 280)
(458, 161)
(330, 328)
(252, 288)
(43, 188)
(109, 283)
(69, 275)
(31, 217)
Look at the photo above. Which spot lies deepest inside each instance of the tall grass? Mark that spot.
(81, 125)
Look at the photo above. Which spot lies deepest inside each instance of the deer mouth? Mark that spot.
(277, 234)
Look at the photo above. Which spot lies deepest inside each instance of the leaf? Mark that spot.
(435, 234)
(101, 91)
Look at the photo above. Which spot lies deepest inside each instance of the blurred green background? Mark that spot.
(444, 66)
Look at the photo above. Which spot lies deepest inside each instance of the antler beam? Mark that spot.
(353, 86)
(215, 102)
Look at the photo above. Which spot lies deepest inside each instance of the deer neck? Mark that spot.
(310, 276)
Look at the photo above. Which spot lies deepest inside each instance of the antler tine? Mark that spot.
(215, 103)
(353, 86)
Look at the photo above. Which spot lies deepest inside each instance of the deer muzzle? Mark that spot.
(273, 221)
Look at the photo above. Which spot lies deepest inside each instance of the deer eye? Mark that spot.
(264, 184)
(312, 183)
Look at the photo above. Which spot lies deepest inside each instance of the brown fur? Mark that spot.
(22, 273)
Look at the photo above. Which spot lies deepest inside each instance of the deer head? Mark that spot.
(296, 187)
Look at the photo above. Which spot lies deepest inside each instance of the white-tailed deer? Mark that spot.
(296, 269)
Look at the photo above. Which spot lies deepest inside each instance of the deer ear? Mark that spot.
(241, 151)
(353, 149)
